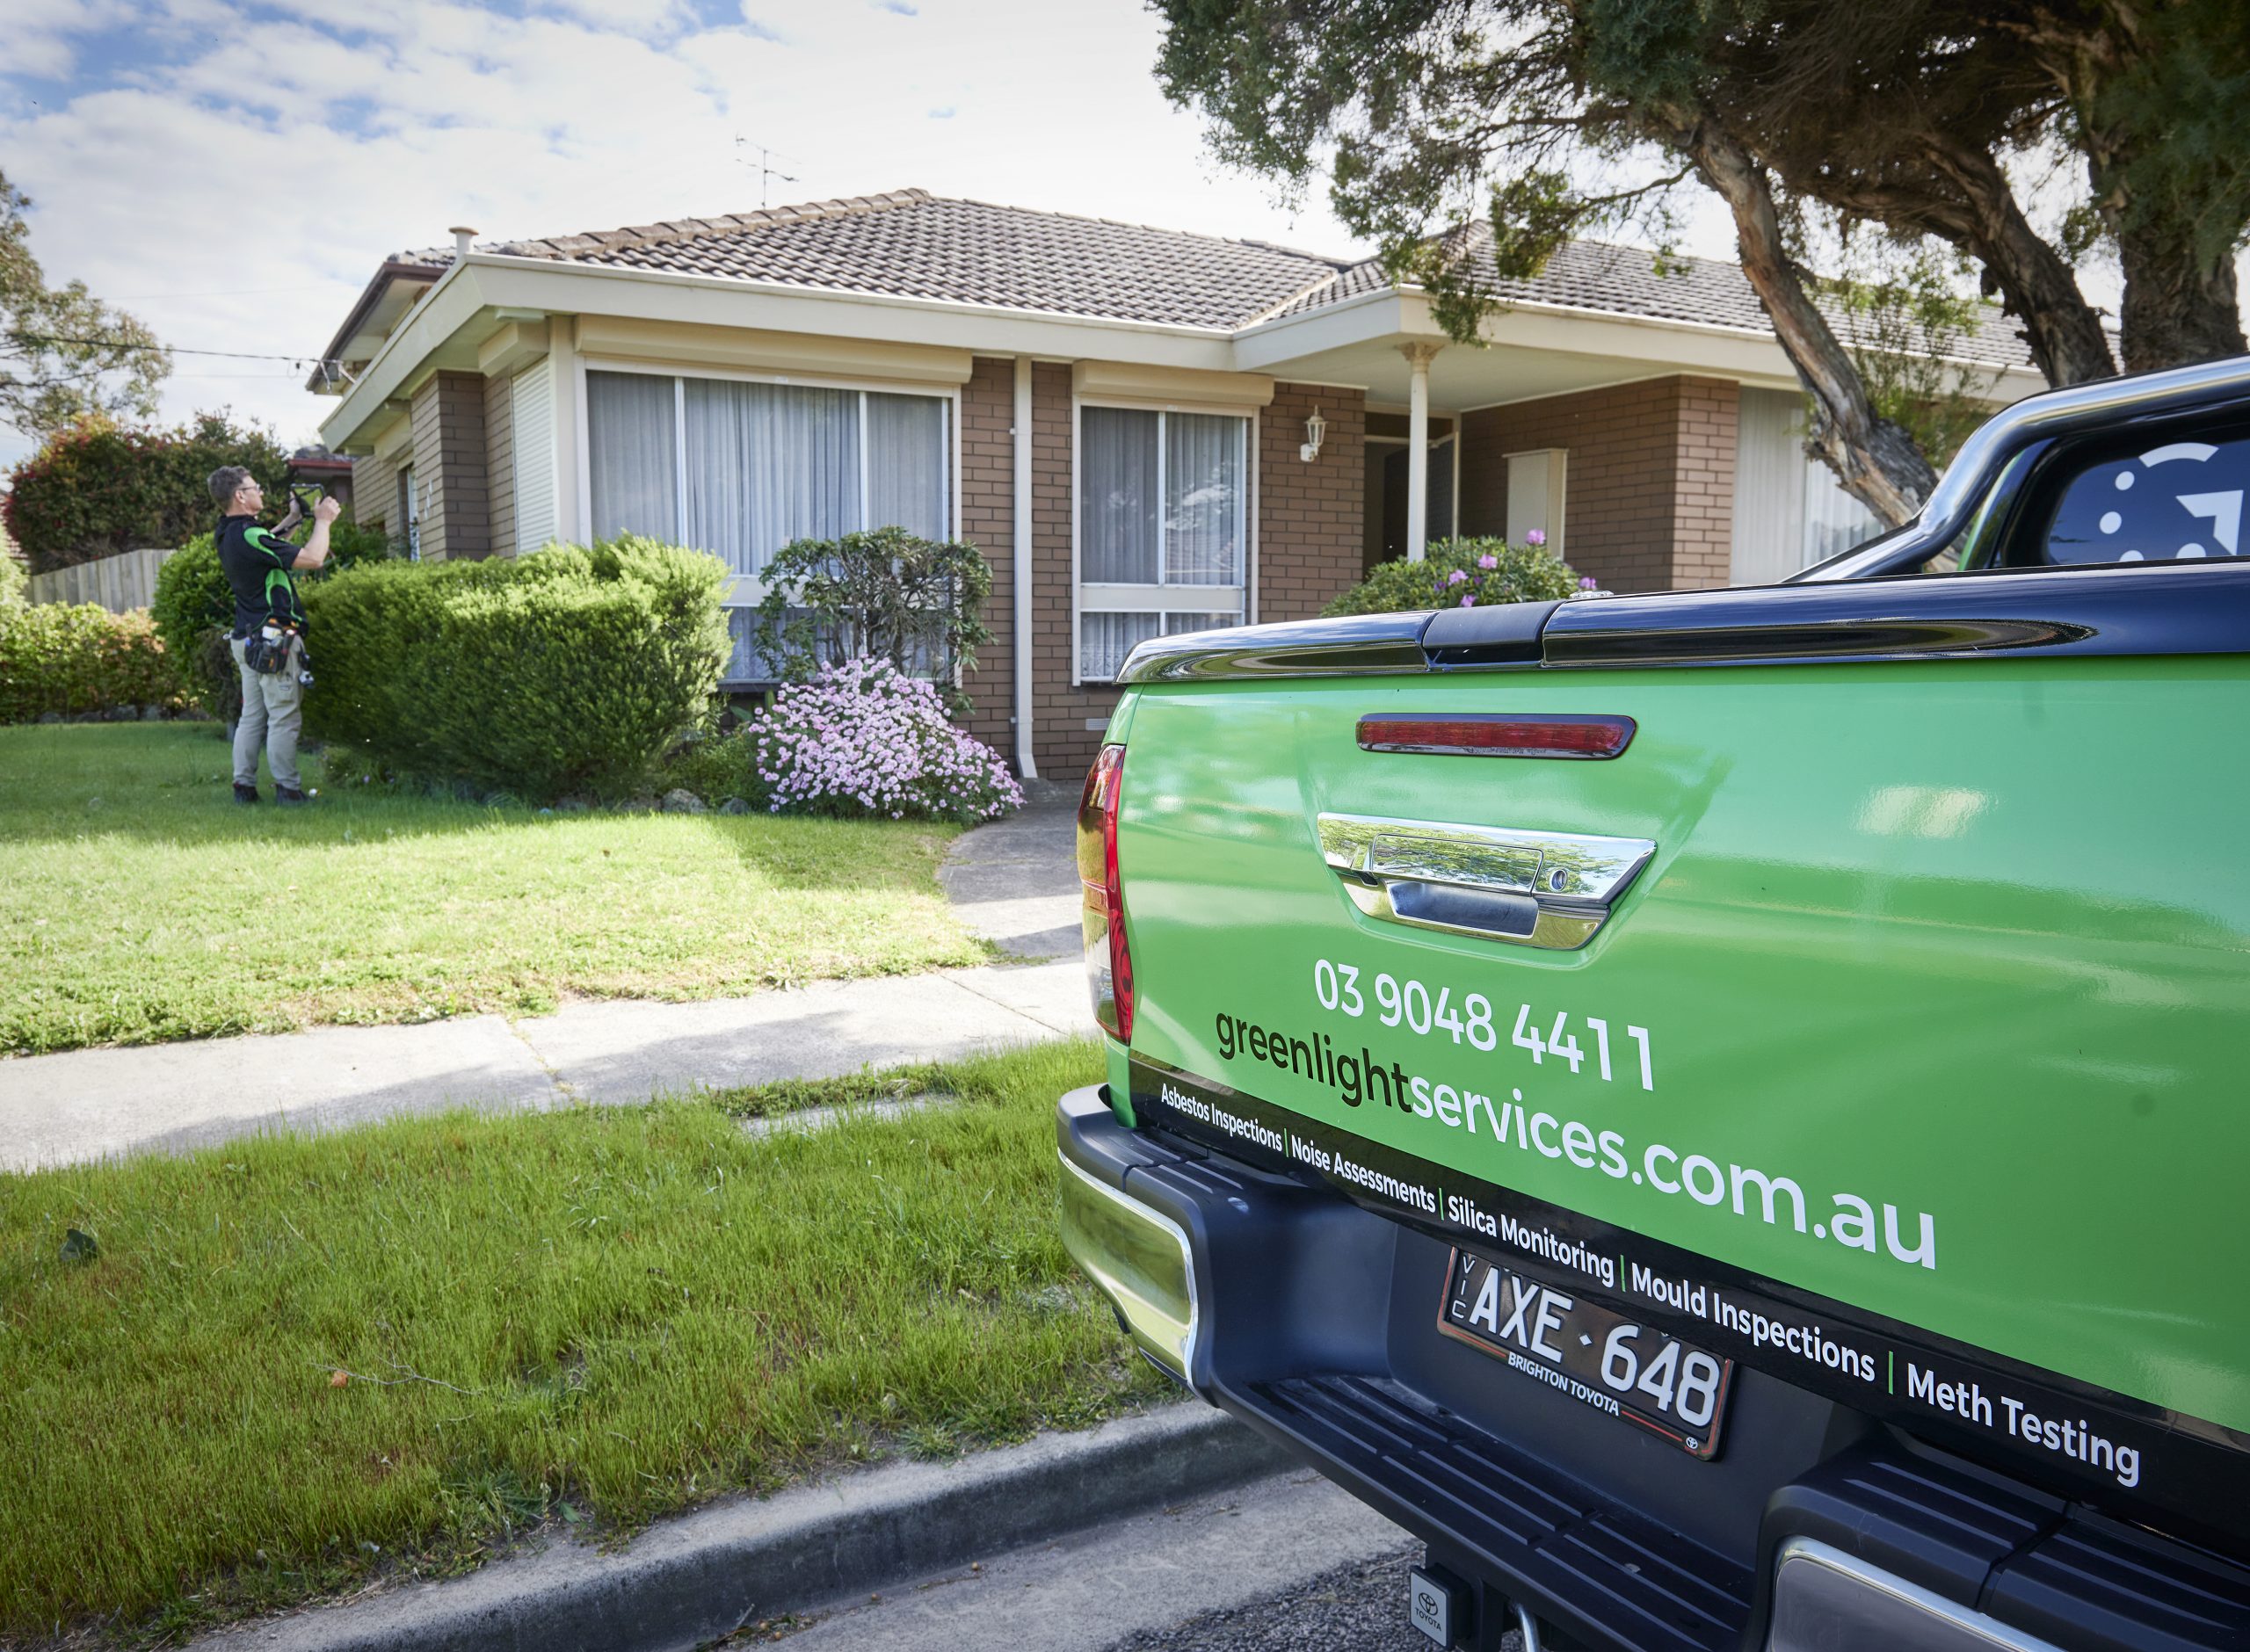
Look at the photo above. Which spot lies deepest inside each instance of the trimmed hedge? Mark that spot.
(73, 658)
(1460, 573)
(194, 608)
(573, 670)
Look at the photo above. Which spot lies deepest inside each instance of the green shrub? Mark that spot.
(70, 658)
(883, 594)
(573, 670)
(1460, 573)
(717, 766)
(95, 490)
(13, 576)
(193, 604)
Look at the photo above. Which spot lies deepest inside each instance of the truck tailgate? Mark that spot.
(1906, 1063)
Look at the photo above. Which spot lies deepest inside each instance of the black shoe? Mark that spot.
(245, 794)
(290, 795)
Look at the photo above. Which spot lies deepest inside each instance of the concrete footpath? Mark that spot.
(1013, 883)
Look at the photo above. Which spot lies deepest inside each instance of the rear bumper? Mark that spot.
(1313, 1320)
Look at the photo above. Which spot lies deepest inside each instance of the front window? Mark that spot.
(1163, 528)
(741, 469)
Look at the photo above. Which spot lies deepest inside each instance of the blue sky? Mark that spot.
(232, 172)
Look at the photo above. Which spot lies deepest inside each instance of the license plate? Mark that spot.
(1580, 1349)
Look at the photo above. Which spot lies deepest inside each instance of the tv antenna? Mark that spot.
(767, 171)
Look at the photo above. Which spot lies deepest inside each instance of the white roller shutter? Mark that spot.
(533, 409)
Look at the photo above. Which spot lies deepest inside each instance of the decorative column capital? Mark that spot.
(1419, 354)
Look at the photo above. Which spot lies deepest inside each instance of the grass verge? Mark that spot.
(591, 1316)
(139, 903)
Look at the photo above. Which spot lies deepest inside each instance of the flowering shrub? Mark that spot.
(1463, 574)
(863, 738)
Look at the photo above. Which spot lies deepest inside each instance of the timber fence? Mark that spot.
(119, 583)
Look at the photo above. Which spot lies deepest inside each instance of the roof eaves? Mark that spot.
(391, 268)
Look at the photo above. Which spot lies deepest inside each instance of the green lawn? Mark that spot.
(138, 903)
(596, 1315)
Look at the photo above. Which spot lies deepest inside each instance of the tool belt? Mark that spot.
(267, 652)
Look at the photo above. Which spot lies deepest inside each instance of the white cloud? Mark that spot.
(341, 143)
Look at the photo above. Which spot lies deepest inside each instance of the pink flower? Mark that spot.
(1488, 561)
(1456, 577)
(1468, 601)
(1535, 537)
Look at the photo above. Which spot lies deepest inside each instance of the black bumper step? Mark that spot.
(1623, 1577)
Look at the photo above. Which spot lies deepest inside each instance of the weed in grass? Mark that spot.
(134, 921)
(795, 1095)
(579, 1319)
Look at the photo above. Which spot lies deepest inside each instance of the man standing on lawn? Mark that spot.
(258, 565)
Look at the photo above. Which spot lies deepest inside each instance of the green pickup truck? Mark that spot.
(1726, 1113)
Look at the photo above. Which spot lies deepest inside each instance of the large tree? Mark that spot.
(1918, 118)
(64, 354)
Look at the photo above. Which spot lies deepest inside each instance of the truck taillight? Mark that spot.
(1109, 965)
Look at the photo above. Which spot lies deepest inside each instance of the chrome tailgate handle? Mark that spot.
(1530, 888)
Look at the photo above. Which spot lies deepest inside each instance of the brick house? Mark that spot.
(1123, 418)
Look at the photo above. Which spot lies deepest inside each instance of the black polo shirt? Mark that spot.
(257, 564)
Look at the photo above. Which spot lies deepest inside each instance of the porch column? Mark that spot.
(1418, 448)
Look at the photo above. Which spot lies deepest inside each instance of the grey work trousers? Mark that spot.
(273, 706)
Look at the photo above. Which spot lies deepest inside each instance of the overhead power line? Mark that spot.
(177, 350)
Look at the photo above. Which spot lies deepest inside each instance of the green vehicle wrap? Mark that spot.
(1928, 1004)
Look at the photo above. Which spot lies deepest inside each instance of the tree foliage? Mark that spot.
(64, 354)
(1553, 119)
(882, 593)
(94, 488)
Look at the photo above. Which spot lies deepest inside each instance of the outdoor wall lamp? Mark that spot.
(1316, 428)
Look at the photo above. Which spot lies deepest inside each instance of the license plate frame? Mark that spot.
(1560, 1338)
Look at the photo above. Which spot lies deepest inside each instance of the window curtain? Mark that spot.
(1833, 521)
(631, 426)
(907, 456)
(1117, 518)
(1106, 639)
(1204, 490)
(769, 463)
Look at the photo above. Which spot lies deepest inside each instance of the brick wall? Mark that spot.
(1311, 518)
(1064, 745)
(374, 491)
(1648, 492)
(448, 417)
(988, 521)
(1703, 527)
(500, 462)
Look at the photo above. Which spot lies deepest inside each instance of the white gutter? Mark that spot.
(1026, 765)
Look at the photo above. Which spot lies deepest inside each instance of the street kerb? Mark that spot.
(700, 1576)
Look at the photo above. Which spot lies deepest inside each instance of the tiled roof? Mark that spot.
(911, 243)
(915, 244)
(1595, 275)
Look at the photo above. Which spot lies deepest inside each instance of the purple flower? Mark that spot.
(1488, 561)
(1456, 577)
(1535, 537)
(1587, 582)
(1468, 601)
